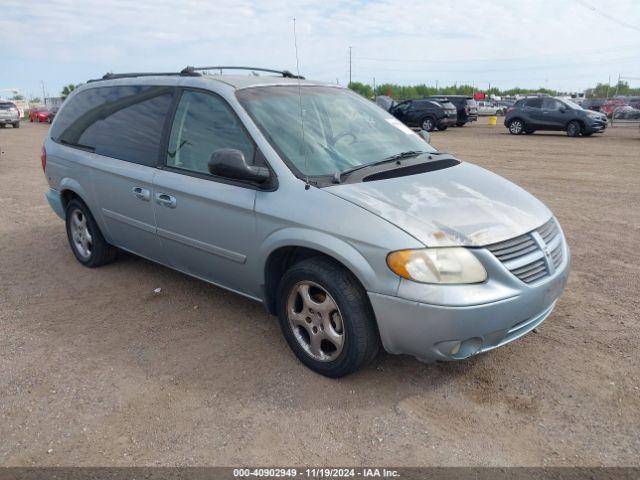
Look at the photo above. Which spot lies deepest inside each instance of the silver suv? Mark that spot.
(308, 198)
(9, 115)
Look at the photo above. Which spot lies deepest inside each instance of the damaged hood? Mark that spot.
(463, 205)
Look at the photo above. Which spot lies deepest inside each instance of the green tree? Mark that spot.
(66, 91)
(362, 88)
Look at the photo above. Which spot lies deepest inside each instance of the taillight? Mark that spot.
(466, 110)
(43, 159)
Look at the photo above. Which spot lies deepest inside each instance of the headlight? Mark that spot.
(437, 265)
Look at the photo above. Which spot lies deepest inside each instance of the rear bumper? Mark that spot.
(448, 120)
(444, 332)
(7, 121)
(55, 201)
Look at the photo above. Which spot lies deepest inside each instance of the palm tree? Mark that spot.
(67, 90)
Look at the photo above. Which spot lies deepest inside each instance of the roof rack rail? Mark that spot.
(284, 73)
(113, 76)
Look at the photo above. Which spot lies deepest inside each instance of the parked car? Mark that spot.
(39, 114)
(548, 113)
(610, 105)
(52, 114)
(466, 107)
(9, 115)
(355, 234)
(426, 114)
(488, 108)
(626, 112)
(593, 104)
(385, 102)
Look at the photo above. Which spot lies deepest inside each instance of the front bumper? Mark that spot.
(450, 329)
(596, 127)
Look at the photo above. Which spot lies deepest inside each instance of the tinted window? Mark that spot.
(204, 123)
(551, 104)
(534, 103)
(121, 122)
(7, 106)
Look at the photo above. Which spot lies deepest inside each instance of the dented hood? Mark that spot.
(463, 205)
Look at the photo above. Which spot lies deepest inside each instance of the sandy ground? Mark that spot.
(95, 369)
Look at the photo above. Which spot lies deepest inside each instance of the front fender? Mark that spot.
(332, 246)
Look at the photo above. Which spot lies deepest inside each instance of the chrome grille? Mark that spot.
(534, 255)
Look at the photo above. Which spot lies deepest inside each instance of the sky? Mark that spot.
(567, 45)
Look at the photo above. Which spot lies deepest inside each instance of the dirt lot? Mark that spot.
(96, 369)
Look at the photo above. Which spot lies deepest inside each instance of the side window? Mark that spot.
(204, 123)
(534, 103)
(120, 122)
(551, 104)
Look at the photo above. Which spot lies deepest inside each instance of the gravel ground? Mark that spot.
(96, 369)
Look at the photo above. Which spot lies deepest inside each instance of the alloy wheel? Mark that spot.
(82, 239)
(316, 321)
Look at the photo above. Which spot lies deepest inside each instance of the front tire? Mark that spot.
(85, 238)
(326, 317)
(573, 129)
(442, 128)
(516, 126)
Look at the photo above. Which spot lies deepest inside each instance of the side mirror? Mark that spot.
(230, 163)
(424, 135)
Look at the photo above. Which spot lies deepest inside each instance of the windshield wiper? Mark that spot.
(337, 177)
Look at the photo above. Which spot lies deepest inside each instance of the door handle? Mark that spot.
(166, 200)
(141, 193)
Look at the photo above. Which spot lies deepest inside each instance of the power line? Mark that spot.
(607, 16)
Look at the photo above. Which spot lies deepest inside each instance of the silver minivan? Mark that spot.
(306, 197)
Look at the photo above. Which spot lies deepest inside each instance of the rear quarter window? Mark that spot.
(123, 122)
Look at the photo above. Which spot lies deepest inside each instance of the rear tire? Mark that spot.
(442, 128)
(3, 125)
(573, 128)
(584, 134)
(516, 126)
(85, 238)
(326, 317)
(460, 124)
(16, 125)
(428, 124)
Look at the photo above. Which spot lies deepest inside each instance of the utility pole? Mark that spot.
(617, 85)
(350, 65)
(44, 96)
(374, 86)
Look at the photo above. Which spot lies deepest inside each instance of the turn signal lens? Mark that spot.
(451, 265)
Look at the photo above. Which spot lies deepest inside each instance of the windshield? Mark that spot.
(342, 130)
(573, 105)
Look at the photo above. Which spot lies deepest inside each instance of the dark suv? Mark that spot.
(466, 106)
(425, 114)
(547, 113)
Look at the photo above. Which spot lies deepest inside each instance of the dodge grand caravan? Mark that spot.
(306, 197)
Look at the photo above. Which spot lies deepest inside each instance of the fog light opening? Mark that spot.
(455, 349)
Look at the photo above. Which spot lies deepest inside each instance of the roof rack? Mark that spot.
(113, 76)
(284, 73)
(191, 72)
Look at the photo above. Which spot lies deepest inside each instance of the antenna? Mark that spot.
(304, 150)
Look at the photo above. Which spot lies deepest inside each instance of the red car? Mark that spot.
(39, 114)
(610, 105)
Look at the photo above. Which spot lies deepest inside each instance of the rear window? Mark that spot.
(7, 106)
(123, 122)
(471, 103)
